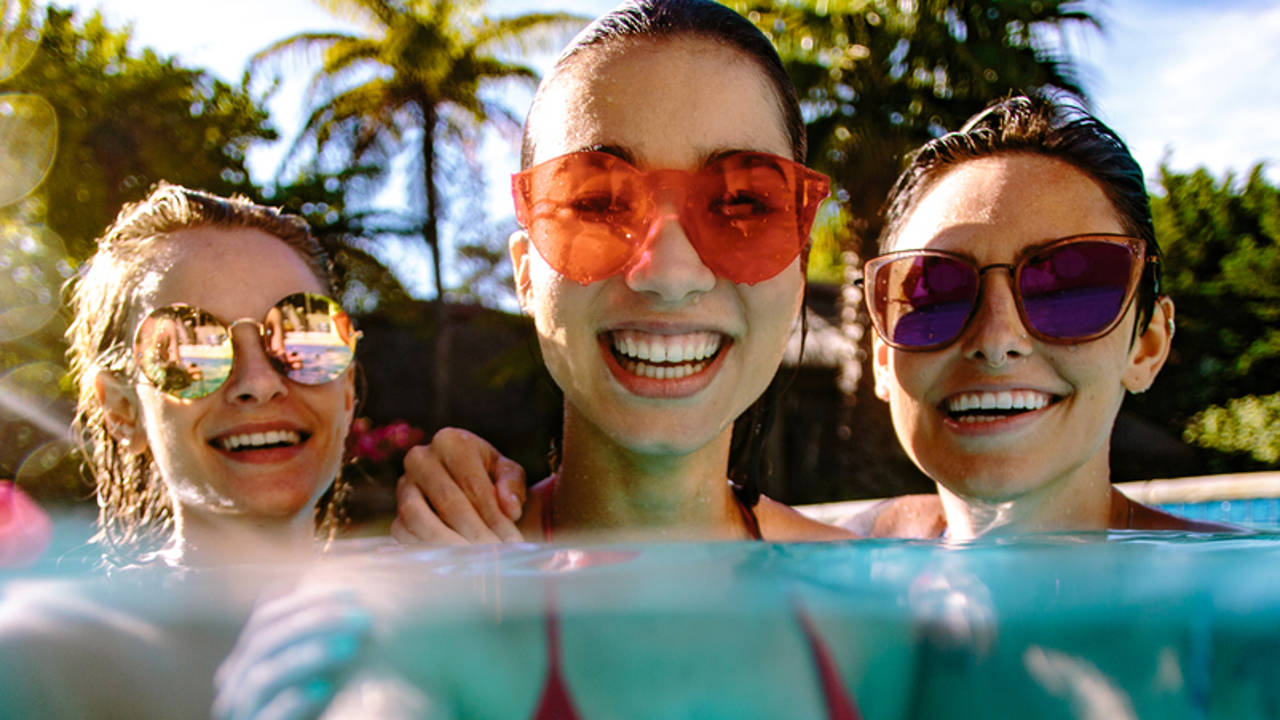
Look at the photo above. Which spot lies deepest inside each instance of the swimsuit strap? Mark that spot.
(555, 703)
(749, 517)
(840, 704)
(546, 506)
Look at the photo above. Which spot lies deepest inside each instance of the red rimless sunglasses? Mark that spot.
(592, 215)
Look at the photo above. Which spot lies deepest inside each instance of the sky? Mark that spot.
(1186, 82)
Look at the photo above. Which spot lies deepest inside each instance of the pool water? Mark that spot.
(1081, 626)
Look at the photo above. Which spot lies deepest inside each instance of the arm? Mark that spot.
(457, 490)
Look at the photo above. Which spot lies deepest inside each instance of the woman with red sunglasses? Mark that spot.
(1016, 303)
(663, 213)
(215, 380)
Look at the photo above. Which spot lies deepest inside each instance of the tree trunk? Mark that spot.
(438, 355)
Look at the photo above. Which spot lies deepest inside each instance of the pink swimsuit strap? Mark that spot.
(557, 704)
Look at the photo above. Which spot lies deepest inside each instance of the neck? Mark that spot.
(1079, 502)
(611, 490)
(204, 538)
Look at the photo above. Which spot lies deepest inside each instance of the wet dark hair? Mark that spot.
(1040, 125)
(657, 20)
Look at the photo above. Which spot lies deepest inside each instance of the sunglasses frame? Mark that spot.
(811, 188)
(1137, 249)
(260, 326)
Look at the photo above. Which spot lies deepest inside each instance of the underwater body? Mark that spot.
(1094, 625)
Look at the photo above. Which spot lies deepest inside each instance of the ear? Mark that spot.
(120, 411)
(880, 367)
(518, 245)
(349, 396)
(1150, 349)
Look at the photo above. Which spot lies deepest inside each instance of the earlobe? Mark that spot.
(880, 368)
(120, 411)
(1151, 348)
(518, 246)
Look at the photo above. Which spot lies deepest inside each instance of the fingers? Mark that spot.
(456, 474)
(416, 523)
(471, 462)
(511, 487)
(291, 657)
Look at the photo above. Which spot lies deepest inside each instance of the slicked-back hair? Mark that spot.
(1040, 125)
(134, 512)
(656, 20)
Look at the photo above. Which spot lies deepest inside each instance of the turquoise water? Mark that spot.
(1141, 625)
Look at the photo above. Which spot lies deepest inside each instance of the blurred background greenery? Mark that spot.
(89, 121)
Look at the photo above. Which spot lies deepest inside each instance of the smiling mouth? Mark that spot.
(269, 440)
(976, 407)
(665, 357)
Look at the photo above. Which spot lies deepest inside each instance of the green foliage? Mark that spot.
(1248, 425)
(1221, 242)
(126, 120)
(826, 263)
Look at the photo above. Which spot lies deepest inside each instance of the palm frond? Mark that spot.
(530, 33)
(373, 14)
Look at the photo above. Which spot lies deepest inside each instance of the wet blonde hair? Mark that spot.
(134, 511)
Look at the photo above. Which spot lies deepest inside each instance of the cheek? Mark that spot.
(909, 376)
(773, 306)
(559, 308)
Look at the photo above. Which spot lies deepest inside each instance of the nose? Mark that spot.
(254, 379)
(996, 333)
(669, 267)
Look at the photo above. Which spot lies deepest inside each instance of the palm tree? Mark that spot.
(414, 79)
(417, 75)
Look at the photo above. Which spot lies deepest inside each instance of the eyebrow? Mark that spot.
(705, 159)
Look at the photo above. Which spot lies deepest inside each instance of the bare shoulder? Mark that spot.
(786, 524)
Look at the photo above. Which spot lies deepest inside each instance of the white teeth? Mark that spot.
(662, 372)
(684, 348)
(1002, 400)
(259, 439)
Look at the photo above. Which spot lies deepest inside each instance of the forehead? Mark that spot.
(232, 272)
(670, 103)
(992, 207)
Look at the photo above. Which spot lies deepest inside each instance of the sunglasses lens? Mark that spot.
(188, 353)
(1076, 290)
(584, 213)
(590, 213)
(309, 338)
(183, 351)
(922, 300)
(747, 225)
